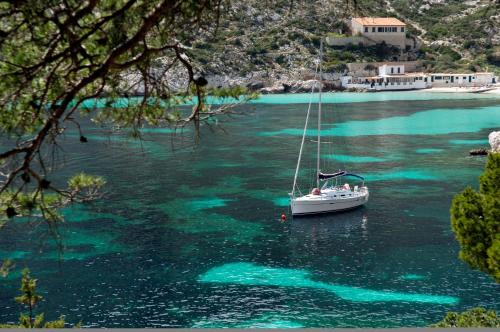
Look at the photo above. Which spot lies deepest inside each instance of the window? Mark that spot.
(438, 77)
(402, 29)
(366, 29)
(399, 70)
(373, 29)
(385, 29)
(392, 70)
(394, 29)
(380, 29)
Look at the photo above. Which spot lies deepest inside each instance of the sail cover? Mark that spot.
(323, 176)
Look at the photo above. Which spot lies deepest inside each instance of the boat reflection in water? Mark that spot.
(328, 234)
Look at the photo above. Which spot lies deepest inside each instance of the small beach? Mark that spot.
(494, 90)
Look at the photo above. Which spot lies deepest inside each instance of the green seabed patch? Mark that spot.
(192, 214)
(164, 130)
(17, 254)
(469, 141)
(409, 174)
(408, 189)
(202, 165)
(80, 213)
(432, 122)
(269, 321)
(257, 275)
(228, 185)
(428, 150)
(111, 138)
(79, 244)
(353, 159)
(423, 174)
(413, 276)
(156, 150)
(198, 221)
(208, 203)
(281, 201)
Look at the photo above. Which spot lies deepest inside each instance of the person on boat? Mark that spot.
(316, 191)
(347, 187)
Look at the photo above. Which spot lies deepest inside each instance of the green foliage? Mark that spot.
(56, 324)
(475, 220)
(29, 298)
(56, 55)
(493, 56)
(83, 181)
(335, 58)
(5, 268)
(476, 317)
(448, 51)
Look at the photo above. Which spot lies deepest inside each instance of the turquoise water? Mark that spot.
(433, 122)
(301, 98)
(189, 235)
(354, 159)
(250, 274)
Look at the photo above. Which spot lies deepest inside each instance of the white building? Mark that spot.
(462, 80)
(390, 77)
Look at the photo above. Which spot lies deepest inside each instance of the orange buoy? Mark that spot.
(283, 217)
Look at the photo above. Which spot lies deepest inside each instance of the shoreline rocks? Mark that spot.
(494, 140)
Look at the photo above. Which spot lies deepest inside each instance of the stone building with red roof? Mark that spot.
(380, 29)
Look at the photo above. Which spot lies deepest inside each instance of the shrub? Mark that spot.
(476, 317)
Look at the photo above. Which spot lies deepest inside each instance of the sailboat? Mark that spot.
(332, 193)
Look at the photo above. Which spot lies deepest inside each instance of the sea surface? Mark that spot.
(189, 232)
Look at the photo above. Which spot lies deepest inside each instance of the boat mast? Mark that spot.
(319, 108)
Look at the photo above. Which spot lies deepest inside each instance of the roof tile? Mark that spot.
(388, 21)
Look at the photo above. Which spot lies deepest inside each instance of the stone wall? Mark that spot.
(344, 41)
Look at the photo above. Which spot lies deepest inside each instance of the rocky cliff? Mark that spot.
(271, 46)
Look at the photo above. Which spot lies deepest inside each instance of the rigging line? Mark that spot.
(319, 110)
(342, 142)
(304, 134)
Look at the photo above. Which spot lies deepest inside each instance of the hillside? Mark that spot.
(270, 40)
(457, 34)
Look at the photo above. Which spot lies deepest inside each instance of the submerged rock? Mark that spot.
(494, 140)
(478, 152)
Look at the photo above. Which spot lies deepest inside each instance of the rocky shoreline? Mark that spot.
(331, 83)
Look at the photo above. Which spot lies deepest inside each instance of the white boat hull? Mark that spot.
(330, 200)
